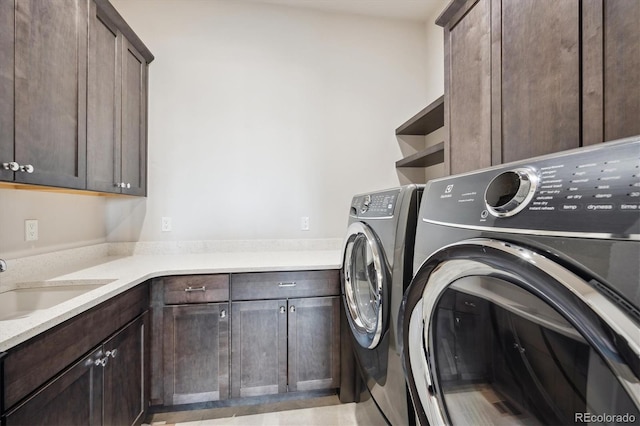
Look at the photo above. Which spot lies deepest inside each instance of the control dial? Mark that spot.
(510, 192)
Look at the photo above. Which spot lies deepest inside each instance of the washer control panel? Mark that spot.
(587, 190)
(379, 204)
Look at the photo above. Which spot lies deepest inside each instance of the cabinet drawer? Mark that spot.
(279, 285)
(196, 289)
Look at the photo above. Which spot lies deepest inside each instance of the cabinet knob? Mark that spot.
(292, 309)
(27, 168)
(128, 185)
(102, 362)
(283, 309)
(13, 166)
(112, 353)
(223, 313)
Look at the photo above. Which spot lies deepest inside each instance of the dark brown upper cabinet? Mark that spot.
(7, 37)
(117, 105)
(531, 77)
(610, 70)
(44, 67)
(73, 91)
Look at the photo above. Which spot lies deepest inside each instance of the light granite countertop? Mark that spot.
(122, 272)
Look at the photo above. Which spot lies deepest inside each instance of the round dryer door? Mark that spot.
(364, 279)
(499, 334)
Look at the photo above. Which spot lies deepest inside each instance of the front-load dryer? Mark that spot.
(525, 304)
(377, 268)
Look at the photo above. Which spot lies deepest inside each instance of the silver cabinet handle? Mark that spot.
(128, 185)
(289, 284)
(102, 362)
(292, 309)
(3, 265)
(191, 289)
(112, 353)
(223, 313)
(27, 168)
(283, 309)
(12, 165)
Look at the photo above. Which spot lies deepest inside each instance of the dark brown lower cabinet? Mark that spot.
(285, 345)
(104, 387)
(124, 375)
(313, 343)
(259, 348)
(73, 398)
(241, 335)
(196, 353)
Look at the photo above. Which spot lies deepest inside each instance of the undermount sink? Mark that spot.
(23, 302)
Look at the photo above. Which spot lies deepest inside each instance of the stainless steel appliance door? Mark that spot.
(495, 333)
(365, 275)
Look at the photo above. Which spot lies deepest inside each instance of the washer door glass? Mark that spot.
(364, 279)
(489, 344)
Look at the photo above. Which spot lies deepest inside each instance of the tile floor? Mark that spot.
(325, 411)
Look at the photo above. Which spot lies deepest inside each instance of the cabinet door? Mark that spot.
(259, 348)
(540, 99)
(104, 103)
(621, 69)
(72, 398)
(51, 91)
(196, 353)
(134, 121)
(468, 90)
(512, 81)
(611, 70)
(314, 343)
(124, 402)
(7, 32)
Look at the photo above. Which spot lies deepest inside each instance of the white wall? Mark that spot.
(64, 221)
(434, 79)
(260, 114)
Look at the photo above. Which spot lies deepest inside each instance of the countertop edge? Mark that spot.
(15, 332)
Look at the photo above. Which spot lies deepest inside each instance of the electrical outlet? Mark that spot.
(166, 224)
(304, 223)
(31, 230)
